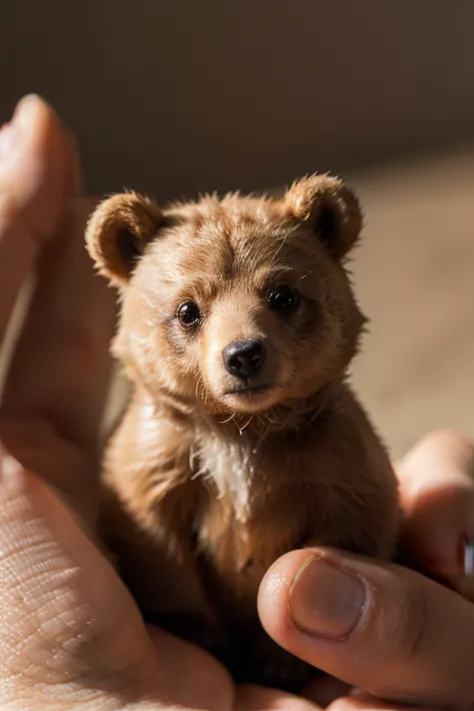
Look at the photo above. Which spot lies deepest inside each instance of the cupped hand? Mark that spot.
(391, 634)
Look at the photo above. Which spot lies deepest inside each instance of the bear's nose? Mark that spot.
(243, 359)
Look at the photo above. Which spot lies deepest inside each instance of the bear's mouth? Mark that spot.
(249, 390)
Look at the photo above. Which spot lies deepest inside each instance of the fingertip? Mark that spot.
(48, 127)
(442, 455)
(312, 598)
(30, 108)
(34, 174)
(437, 491)
(38, 123)
(273, 600)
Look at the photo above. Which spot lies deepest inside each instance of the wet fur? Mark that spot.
(204, 490)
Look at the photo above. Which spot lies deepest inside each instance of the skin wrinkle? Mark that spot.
(65, 633)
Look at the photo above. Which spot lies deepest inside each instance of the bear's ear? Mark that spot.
(329, 208)
(119, 230)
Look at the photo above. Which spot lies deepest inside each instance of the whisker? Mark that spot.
(224, 422)
(241, 429)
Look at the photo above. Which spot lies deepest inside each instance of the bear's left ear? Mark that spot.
(329, 208)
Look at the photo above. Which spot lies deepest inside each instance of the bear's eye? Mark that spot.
(284, 298)
(188, 314)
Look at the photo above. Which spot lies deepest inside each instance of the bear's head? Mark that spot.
(234, 305)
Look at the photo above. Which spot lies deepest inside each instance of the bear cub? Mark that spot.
(242, 439)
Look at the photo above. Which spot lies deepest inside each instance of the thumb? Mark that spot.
(381, 628)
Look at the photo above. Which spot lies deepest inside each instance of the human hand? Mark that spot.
(390, 634)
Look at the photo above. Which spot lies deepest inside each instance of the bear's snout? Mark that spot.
(244, 359)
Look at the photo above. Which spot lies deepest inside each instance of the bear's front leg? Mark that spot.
(158, 565)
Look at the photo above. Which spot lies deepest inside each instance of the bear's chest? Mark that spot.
(245, 522)
(230, 469)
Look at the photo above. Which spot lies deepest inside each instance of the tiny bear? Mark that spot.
(242, 439)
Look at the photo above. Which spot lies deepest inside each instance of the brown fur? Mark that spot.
(205, 488)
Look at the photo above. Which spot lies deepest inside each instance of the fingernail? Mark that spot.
(327, 600)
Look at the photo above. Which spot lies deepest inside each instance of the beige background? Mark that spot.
(183, 96)
(414, 274)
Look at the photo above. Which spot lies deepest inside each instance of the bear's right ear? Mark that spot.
(119, 230)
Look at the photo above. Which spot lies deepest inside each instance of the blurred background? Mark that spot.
(181, 97)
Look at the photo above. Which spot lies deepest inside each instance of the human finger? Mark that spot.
(34, 180)
(61, 366)
(381, 628)
(437, 494)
